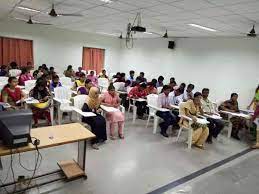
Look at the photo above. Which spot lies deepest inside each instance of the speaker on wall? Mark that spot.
(171, 44)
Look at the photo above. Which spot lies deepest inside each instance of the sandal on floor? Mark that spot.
(256, 146)
(199, 146)
(95, 146)
(121, 136)
(112, 137)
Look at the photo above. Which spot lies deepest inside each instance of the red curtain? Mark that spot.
(17, 50)
(93, 59)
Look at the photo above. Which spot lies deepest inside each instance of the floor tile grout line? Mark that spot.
(198, 173)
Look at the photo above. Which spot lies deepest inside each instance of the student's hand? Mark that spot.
(99, 111)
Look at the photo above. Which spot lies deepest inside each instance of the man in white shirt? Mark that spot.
(188, 94)
(168, 118)
(216, 125)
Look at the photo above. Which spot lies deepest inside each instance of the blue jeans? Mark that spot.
(168, 118)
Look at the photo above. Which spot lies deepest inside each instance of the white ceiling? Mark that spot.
(228, 17)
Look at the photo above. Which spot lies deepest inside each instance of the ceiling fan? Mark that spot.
(30, 21)
(53, 13)
(252, 33)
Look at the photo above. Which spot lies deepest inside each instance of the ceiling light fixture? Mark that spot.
(202, 27)
(148, 33)
(28, 9)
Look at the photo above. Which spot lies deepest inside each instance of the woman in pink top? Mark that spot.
(93, 78)
(111, 99)
(25, 76)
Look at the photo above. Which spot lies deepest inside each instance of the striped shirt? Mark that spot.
(163, 100)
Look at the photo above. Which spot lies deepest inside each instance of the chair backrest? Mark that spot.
(152, 99)
(103, 82)
(29, 85)
(90, 71)
(118, 85)
(3, 80)
(66, 81)
(159, 90)
(79, 101)
(14, 72)
(62, 93)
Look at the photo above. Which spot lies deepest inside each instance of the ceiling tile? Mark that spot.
(244, 7)
(215, 11)
(229, 2)
(192, 4)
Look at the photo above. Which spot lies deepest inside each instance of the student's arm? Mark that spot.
(4, 97)
(249, 106)
(188, 114)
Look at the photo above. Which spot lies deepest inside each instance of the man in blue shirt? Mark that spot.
(131, 77)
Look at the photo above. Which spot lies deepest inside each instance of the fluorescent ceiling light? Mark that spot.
(202, 27)
(28, 9)
(106, 1)
(148, 33)
(109, 34)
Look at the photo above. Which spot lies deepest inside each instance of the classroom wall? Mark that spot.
(59, 47)
(224, 65)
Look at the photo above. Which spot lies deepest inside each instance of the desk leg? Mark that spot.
(229, 127)
(81, 158)
(52, 114)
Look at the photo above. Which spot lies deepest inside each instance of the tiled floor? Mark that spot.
(139, 164)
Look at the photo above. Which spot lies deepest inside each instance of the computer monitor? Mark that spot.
(15, 127)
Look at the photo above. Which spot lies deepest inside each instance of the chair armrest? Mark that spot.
(201, 116)
(84, 114)
(62, 101)
(153, 107)
(174, 106)
(185, 117)
(122, 108)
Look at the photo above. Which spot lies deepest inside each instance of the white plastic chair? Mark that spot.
(62, 97)
(14, 72)
(66, 81)
(132, 106)
(78, 104)
(152, 103)
(103, 84)
(159, 90)
(3, 79)
(28, 86)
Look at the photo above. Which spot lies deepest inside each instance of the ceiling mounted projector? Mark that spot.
(252, 33)
(138, 27)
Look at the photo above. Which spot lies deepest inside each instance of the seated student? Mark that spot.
(11, 94)
(25, 76)
(151, 87)
(117, 75)
(13, 65)
(131, 76)
(172, 83)
(124, 100)
(111, 98)
(47, 78)
(168, 118)
(42, 109)
(52, 72)
(85, 90)
(79, 71)
(141, 78)
(160, 81)
(103, 74)
(80, 82)
(4, 70)
(176, 96)
(54, 83)
(192, 108)
(238, 123)
(216, 125)
(97, 123)
(255, 99)
(139, 92)
(93, 78)
(188, 94)
(69, 72)
(121, 78)
(35, 74)
(40, 72)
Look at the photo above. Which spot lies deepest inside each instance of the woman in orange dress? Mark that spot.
(111, 99)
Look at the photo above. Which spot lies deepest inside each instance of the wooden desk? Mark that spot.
(55, 136)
